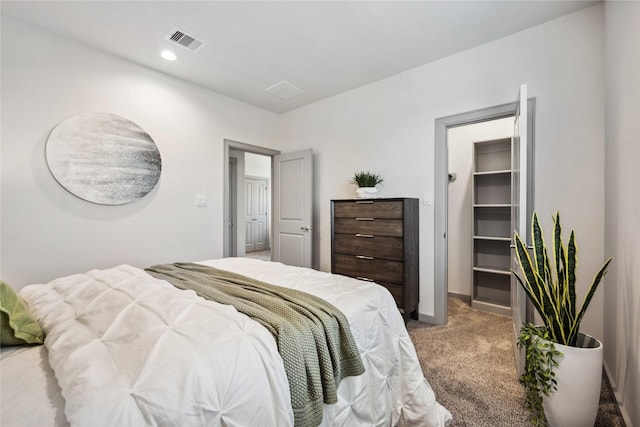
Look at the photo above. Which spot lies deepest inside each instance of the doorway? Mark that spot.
(441, 196)
(291, 204)
(460, 142)
(247, 196)
(257, 205)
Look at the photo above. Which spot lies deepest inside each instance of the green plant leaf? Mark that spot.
(530, 284)
(538, 375)
(538, 244)
(572, 255)
(366, 179)
(554, 295)
(575, 327)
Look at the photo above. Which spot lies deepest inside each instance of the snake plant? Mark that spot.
(554, 294)
(366, 179)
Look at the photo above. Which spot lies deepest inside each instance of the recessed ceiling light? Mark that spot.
(168, 55)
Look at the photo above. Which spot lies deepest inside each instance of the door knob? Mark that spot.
(305, 228)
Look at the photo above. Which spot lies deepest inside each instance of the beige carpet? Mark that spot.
(263, 255)
(470, 364)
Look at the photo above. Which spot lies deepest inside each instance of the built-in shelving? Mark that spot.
(491, 201)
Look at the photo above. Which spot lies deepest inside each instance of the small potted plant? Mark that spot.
(366, 182)
(563, 367)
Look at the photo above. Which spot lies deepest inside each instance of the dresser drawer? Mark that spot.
(369, 244)
(376, 227)
(368, 209)
(375, 269)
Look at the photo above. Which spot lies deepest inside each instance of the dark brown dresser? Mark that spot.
(377, 240)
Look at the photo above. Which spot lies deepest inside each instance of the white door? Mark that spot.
(255, 205)
(519, 212)
(292, 208)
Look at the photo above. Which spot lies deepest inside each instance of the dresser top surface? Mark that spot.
(375, 199)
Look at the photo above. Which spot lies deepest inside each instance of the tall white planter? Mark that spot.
(579, 376)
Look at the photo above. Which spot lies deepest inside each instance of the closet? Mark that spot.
(491, 225)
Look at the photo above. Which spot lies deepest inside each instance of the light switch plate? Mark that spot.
(201, 201)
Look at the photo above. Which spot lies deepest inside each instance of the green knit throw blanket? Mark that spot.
(313, 336)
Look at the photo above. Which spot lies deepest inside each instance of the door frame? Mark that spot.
(441, 193)
(227, 246)
(232, 204)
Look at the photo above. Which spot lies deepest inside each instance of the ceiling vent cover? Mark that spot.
(284, 90)
(185, 40)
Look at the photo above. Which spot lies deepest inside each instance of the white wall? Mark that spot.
(388, 126)
(460, 145)
(257, 165)
(622, 206)
(46, 231)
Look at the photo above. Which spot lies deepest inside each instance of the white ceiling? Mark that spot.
(322, 47)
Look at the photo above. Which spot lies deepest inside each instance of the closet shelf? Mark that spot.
(491, 269)
(498, 238)
(492, 205)
(491, 220)
(496, 172)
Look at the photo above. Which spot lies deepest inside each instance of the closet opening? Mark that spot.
(491, 187)
(478, 213)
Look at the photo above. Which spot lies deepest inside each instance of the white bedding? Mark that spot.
(128, 349)
(28, 389)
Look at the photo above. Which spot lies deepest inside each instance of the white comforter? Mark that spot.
(128, 349)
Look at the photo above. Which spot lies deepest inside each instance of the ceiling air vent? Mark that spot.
(284, 90)
(185, 40)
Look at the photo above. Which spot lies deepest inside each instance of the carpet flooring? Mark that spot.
(470, 364)
(263, 255)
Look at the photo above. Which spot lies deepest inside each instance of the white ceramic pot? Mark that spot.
(579, 375)
(366, 192)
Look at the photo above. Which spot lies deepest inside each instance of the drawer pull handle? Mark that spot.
(365, 202)
(363, 219)
(368, 236)
(364, 278)
(364, 257)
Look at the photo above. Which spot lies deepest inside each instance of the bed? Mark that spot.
(125, 348)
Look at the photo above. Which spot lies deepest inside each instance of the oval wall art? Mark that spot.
(103, 158)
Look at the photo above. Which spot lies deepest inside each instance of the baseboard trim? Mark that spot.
(616, 394)
(426, 318)
(464, 298)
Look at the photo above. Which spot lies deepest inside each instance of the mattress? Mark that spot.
(392, 391)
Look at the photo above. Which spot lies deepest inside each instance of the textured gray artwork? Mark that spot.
(103, 158)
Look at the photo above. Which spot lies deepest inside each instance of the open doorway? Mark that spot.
(442, 177)
(257, 206)
(290, 208)
(247, 199)
(460, 210)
